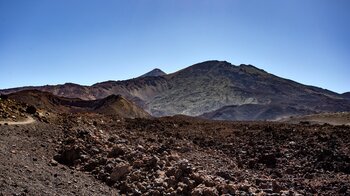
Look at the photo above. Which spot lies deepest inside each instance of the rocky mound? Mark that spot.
(116, 104)
(13, 111)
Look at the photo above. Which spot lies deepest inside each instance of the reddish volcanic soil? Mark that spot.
(92, 154)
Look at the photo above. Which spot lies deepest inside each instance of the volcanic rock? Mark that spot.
(120, 171)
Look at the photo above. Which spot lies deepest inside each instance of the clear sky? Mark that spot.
(88, 41)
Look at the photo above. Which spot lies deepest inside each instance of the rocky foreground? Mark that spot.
(91, 154)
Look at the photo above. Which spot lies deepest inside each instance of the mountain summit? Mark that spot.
(154, 72)
(215, 90)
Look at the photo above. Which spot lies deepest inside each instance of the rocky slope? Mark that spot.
(117, 105)
(215, 85)
(253, 112)
(11, 110)
(219, 88)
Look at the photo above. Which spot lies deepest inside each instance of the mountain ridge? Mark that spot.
(110, 105)
(207, 87)
(346, 95)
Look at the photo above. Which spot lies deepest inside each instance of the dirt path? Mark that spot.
(29, 120)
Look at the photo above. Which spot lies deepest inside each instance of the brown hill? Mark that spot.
(111, 105)
(116, 104)
(212, 86)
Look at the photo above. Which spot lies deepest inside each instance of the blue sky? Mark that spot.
(88, 41)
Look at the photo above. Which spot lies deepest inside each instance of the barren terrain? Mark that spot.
(96, 154)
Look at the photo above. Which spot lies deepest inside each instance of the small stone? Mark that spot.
(173, 157)
(140, 148)
(203, 190)
(95, 150)
(152, 162)
(53, 162)
(185, 166)
(138, 163)
(120, 171)
(117, 150)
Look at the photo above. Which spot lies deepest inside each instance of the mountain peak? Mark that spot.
(154, 72)
(207, 65)
(251, 69)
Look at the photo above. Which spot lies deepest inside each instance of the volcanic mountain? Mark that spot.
(212, 89)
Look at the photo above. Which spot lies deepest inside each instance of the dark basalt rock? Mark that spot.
(31, 109)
